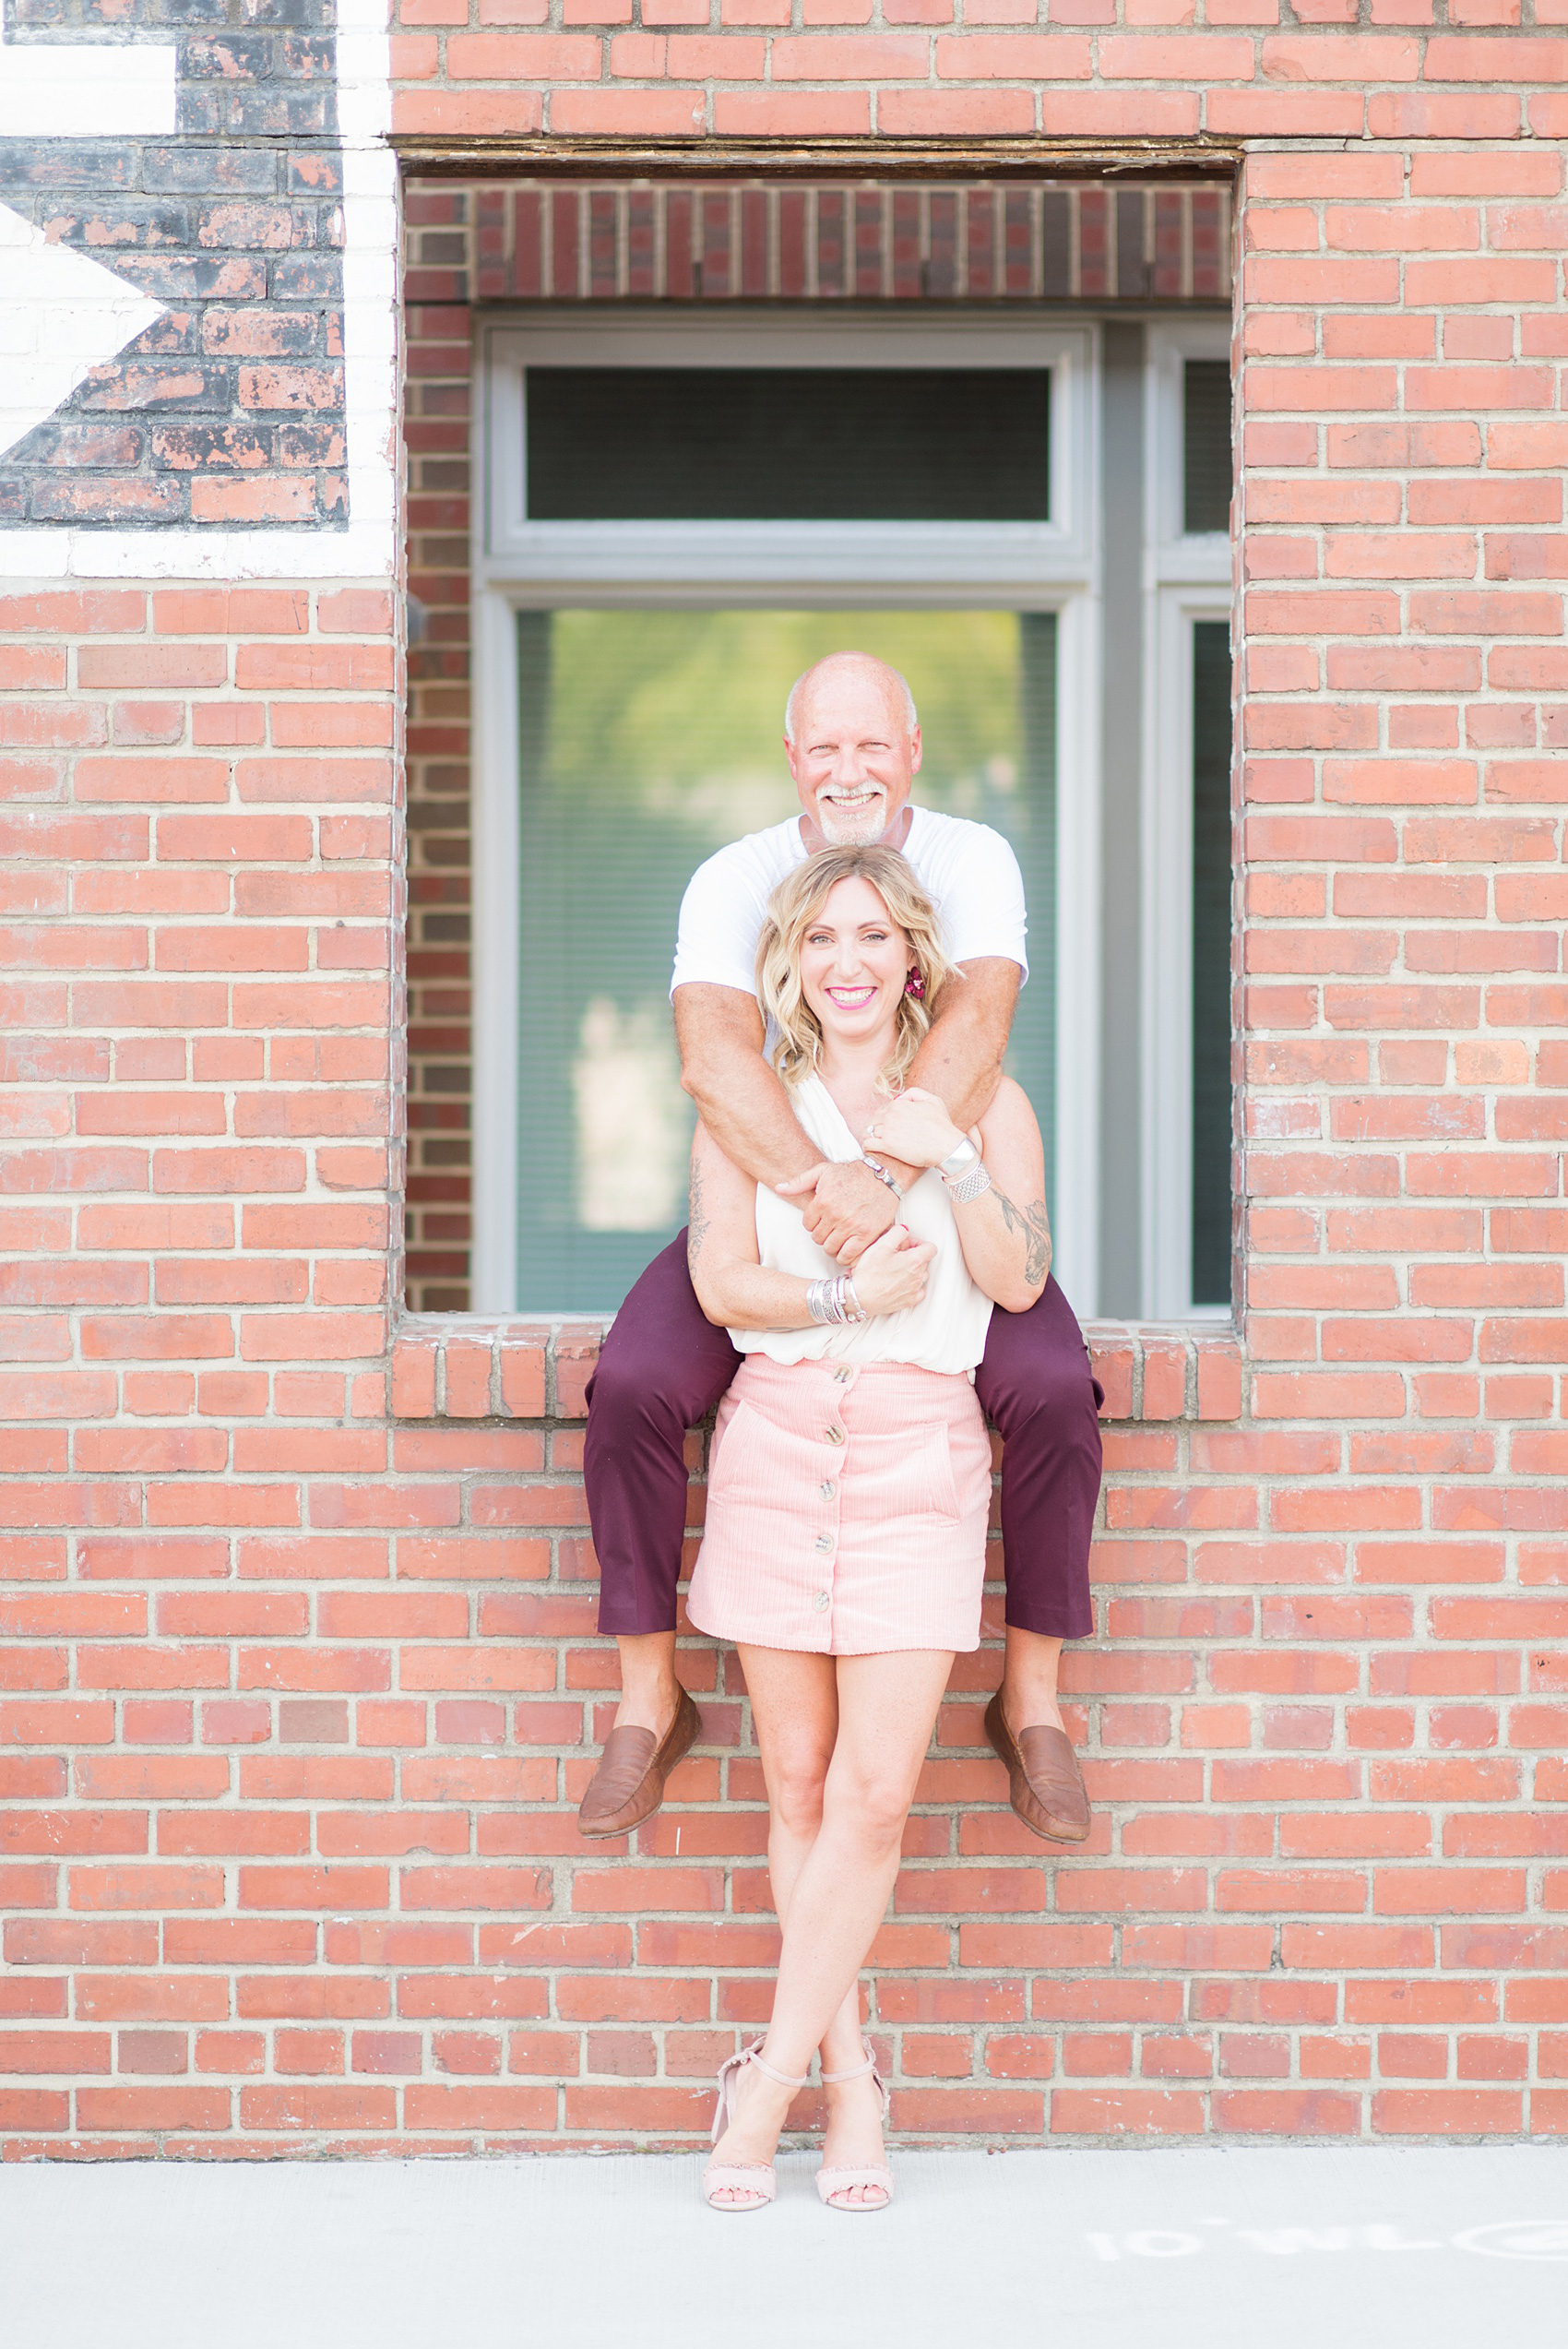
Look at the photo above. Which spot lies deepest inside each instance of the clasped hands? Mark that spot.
(847, 1208)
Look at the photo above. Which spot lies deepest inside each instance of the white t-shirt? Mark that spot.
(967, 870)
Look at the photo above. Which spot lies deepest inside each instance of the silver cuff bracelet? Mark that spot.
(972, 1186)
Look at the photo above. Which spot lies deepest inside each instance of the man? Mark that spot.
(853, 745)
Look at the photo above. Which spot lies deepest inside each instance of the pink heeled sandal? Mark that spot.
(830, 2183)
(757, 2180)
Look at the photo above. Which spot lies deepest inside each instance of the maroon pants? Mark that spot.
(664, 1366)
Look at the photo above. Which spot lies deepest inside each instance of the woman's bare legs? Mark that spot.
(795, 1708)
(875, 1715)
(887, 1707)
(795, 1711)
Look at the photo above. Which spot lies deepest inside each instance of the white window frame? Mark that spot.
(1188, 578)
(780, 554)
(520, 566)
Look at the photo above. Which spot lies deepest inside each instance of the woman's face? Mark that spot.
(854, 960)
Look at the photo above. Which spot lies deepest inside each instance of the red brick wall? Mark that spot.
(298, 1690)
(1098, 70)
(438, 400)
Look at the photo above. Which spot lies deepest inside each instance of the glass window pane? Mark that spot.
(788, 443)
(651, 739)
(1205, 445)
(1211, 963)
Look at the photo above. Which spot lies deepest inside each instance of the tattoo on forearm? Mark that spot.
(700, 1219)
(1032, 1222)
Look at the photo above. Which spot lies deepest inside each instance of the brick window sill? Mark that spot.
(469, 1366)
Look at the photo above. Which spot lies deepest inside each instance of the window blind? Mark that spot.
(794, 444)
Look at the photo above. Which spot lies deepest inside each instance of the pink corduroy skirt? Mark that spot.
(847, 1510)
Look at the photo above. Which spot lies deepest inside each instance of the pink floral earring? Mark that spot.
(915, 983)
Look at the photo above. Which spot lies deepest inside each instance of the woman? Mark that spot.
(849, 1488)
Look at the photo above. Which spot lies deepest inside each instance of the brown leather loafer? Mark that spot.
(1044, 1783)
(628, 1785)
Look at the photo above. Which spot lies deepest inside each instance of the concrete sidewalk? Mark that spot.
(1206, 2248)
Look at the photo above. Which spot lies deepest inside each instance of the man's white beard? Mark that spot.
(840, 829)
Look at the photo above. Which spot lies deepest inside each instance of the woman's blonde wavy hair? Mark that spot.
(791, 910)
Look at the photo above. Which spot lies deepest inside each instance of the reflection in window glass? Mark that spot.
(650, 739)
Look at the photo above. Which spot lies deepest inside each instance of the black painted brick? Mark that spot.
(235, 225)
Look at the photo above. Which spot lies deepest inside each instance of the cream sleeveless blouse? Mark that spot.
(944, 1332)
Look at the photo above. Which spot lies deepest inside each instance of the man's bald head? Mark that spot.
(853, 744)
(852, 669)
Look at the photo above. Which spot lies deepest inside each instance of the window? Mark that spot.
(649, 738)
(1188, 867)
(1212, 865)
(1206, 446)
(992, 416)
(681, 512)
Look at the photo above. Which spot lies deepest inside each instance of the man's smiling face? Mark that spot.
(854, 756)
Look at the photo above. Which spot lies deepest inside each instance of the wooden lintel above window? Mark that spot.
(846, 159)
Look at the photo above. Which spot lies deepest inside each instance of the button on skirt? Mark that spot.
(847, 1510)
